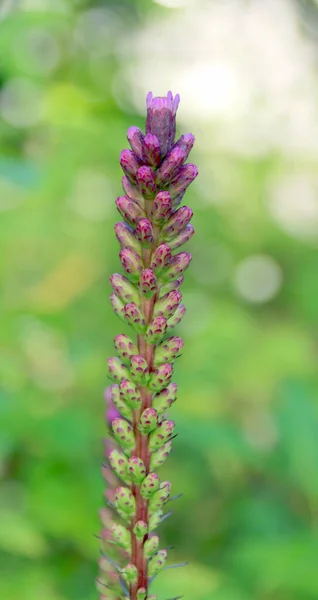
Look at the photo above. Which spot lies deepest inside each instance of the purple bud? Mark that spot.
(117, 370)
(168, 304)
(134, 316)
(148, 421)
(130, 393)
(144, 233)
(182, 238)
(161, 208)
(160, 377)
(125, 348)
(186, 142)
(130, 210)
(175, 320)
(123, 433)
(117, 306)
(161, 435)
(131, 262)
(178, 264)
(129, 163)
(161, 257)
(131, 191)
(177, 222)
(125, 290)
(148, 283)
(168, 350)
(136, 138)
(146, 182)
(150, 485)
(151, 150)
(139, 369)
(161, 119)
(170, 166)
(125, 236)
(172, 285)
(186, 175)
(156, 330)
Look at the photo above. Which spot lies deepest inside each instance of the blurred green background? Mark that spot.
(73, 78)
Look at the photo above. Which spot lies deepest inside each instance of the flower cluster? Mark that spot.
(147, 298)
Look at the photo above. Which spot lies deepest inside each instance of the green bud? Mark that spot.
(168, 304)
(151, 546)
(117, 371)
(125, 348)
(117, 306)
(130, 573)
(161, 435)
(159, 498)
(134, 316)
(162, 401)
(136, 470)
(121, 536)
(157, 562)
(124, 289)
(160, 378)
(150, 485)
(148, 421)
(119, 463)
(123, 433)
(176, 318)
(125, 501)
(168, 350)
(141, 594)
(159, 457)
(140, 529)
(139, 369)
(119, 403)
(155, 519)
(130, 394)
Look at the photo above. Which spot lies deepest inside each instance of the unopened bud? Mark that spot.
(148, 421)
(145, 178)
(151, 150)
(156, 330)
(151, 546)
(157, 562)
(136, 470)
(148, 283)
(123, 433)
(160, 456)
(144, 233)
(134, 316)
(161, 435)
(150, 485)
(125, 501)
(168, 350)
(130, 394)
(132, 263)
(125, 348)
(139, 369)
(160, 377)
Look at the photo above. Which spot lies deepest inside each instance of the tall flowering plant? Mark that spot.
(148, 298)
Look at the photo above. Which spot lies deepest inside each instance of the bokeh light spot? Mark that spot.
(21, 103)
(258, 278)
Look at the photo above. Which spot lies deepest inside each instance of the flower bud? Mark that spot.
(162, 402)
(130, 394)
(145, 178)
(118, 402)
(168, 350)
(117, 371)
(151, 150)
(175, 320)
(186, 142)
(161, 208)
(168, 304)
(186, 175)
(112, 410)
(182, 238)
(136, 470)
(156, 330)
(121, 536)
(160, 377)
(129, 163)
(171, 285)
(130, 573)
(125, 348)
(157, 563)
(160, 497)
(125, 237)
(136, 138)
(134, 316)
(177, 222)
(160, 259)
(132, 263)
(131, 191)
(123, 433)
(177, 265)
(161, 435)
(125, 290)
(151, 546)
(117, 306)
(140, 529)
(125, 501)
(141, 594)
(150, 485)
(139, 369)
(161, 119)
(130, 210)
(148, 283)
(160, 456)
(155, 519)
(144, 233)
(148, 421)
(118, 462)
(170, 166)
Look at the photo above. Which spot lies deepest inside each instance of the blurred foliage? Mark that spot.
(246, 457)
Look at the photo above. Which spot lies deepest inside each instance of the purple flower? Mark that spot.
(161, 119)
